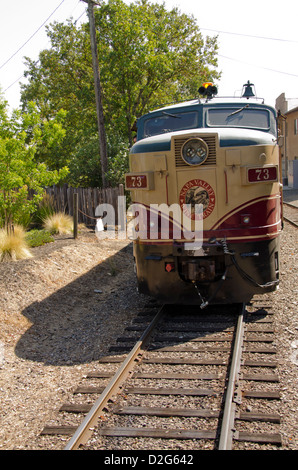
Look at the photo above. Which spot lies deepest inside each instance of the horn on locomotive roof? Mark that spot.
(248, 93)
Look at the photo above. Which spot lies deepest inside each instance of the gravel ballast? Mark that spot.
(61, 311)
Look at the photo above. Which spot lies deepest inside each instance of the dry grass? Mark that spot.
(13, 246)
(58, 223)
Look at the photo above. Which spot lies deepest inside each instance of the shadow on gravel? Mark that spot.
(71, 326)
(78, 323)
(183, 324)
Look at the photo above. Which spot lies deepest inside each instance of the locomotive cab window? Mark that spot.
(170, 122)
(239, 117)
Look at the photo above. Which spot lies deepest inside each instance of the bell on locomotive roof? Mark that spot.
(248, 93)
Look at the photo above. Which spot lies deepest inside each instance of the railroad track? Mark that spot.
(290, 213)
(203, 380)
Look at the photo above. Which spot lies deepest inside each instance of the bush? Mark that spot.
(59, 223)
(45, 209)
(22, 176)
(38, 238)
(13, 245)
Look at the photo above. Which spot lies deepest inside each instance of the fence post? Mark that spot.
(75, 215)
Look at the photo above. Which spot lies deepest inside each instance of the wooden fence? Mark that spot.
(88, 200)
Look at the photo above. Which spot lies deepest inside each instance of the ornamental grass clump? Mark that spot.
(13, 245)
(58, 223)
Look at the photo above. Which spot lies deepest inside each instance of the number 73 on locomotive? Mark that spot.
(209, 167)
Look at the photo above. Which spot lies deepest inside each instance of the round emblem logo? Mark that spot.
(194, 193)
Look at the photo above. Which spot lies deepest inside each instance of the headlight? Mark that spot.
(194, 151)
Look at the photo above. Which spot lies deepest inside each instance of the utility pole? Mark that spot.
(98, 96)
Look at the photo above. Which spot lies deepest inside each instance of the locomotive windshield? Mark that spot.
(212, 114)
(246, 117)
(170, 122)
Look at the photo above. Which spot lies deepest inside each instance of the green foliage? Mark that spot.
(45, 208)
(148, 56)
(22, 178)
(38, 238)
(118, 158)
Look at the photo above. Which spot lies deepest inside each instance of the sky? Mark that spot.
(257, 41)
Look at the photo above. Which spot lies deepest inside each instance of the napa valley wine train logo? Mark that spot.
(197, 194)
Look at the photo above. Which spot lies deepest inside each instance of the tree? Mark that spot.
(63, 79)
(148, 56)
(20, 137)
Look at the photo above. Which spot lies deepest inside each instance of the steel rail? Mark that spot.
(289, 205)
(290, 221)
(226, 434)
(288, 217)
(84, 431)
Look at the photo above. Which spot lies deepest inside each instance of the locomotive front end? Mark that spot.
(204, 180)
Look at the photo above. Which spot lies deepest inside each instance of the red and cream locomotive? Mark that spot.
(220, 155)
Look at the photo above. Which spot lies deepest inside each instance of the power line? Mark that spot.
(6, 62)
(259, 66)
(22, 76)
(13, 83)
(203, 29)
(249, 35)
(79, 17)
